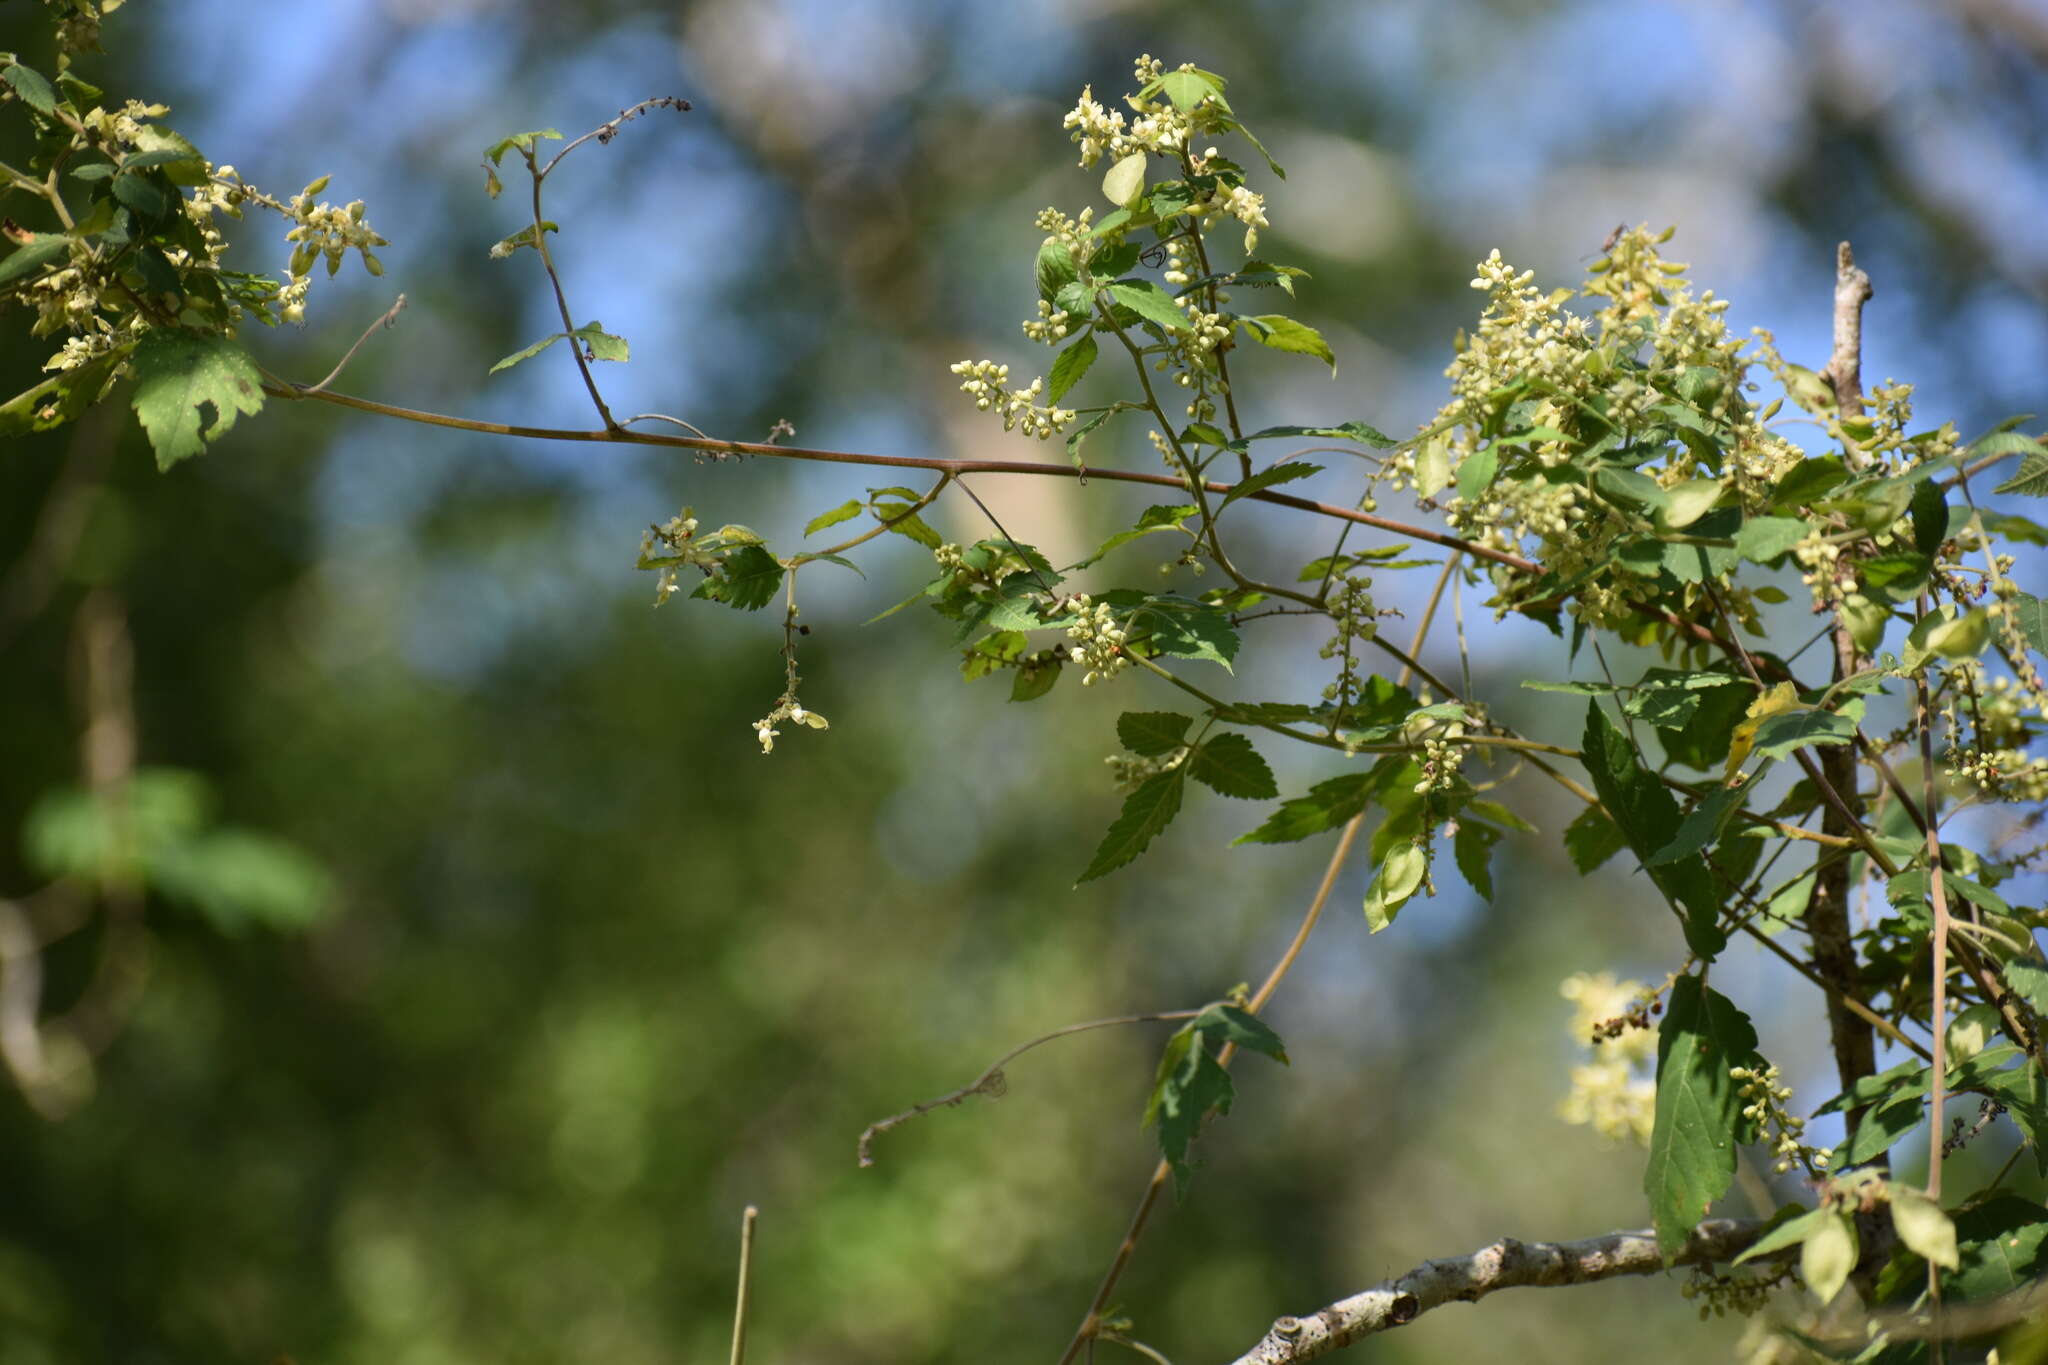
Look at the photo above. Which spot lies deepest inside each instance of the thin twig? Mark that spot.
(739, 1312)
(992, 1082)
(390, 317)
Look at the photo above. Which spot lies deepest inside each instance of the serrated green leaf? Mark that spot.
(1056, 268)
(905, 522)
(1591, 839)
(1152, 733)
(1283, 333)
(1087, 428)
(1164, 517)
(1190, 1086)
(1187, 88)
(525, 353)
(602, 345)
(1228, 765)
(2029, 615)
(1699, 1110)
(1648, 818)
(32, 87)
(2030, 980)
(1473, 848)
(1177, 626)
(1326, 806)
(845, 511)
(1150, 302)
(2030, 479)
(1286, 472)
(1146, 812)
(180, 375)
(1069, 365)
(1779, 735)
(1224, 1023)
(746, 578)
(2001, 1245)
(1703, 824)
(1808, 480)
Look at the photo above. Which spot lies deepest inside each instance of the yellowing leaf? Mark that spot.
(1125, 180)
(1924, 1228)
(1828, 1255)
(1393, 884)
(1780, 699)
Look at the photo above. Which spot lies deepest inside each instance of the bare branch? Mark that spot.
(1507, 1264)
(992, 1081)
(390, 317)
(1845, 367)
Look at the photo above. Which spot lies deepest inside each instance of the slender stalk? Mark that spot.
(739, 1312)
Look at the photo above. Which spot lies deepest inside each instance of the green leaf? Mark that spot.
(1360, 432)
(1087, 428)
(33, 89)
(1781, 734)
(1591, 839)
(1223, 1023)
(2030, 479)
(1285, 334)
(1828, 1255)
(1190, 1086)
(1791, 1232)
(61, 398)
(2001, 1245)
(1699, 1110)
(1397, 879)
(2030, 980)
(1689, 501)
(1152, 733)
(1703, 824)
(1146, 812)
(902, 521)
(1476, 471)
(1187, 88)
(2029, 615)
(1765, 540)
(1809, 480)
(179, 375)
(601, 345)
(1177, 626)
(1285, 472)
(1056, 269)
(1630, 489)
(1930, 517)
(1326, 806)
(1150, 302)
(746, 578)
(1228, 765)
(1034, 679)
(34, 254)
(525, 353)
(1125, 181)
(1069, 365)
(523, 141)
(1473, 848)
(1164, 517)
(1648, 817)
(845, 511)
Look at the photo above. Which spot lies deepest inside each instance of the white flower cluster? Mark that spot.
(1248, 208)
(1097, 641)
(1351, 611)
(1766, 1107)
(1616, 1093)
(325, 230)
(1051, 326)
(1128, 772)
(675, 535)
(987, 383)
(118, 130)
(788, 708)
(1103, 132)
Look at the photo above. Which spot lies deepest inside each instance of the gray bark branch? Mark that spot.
(1507, 1264)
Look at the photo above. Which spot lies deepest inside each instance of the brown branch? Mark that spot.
(1845, 367)
(708, 446)
(1507, 1264)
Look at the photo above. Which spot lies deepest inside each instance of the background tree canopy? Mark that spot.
(517, 971)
